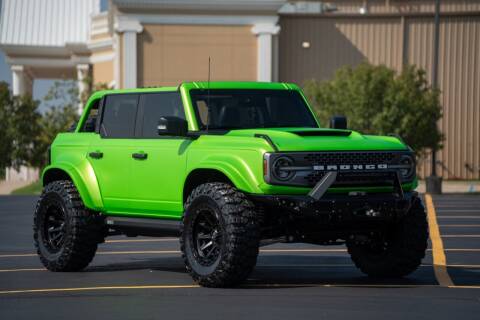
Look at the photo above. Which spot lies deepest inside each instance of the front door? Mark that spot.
(158, 172)
(110, 152)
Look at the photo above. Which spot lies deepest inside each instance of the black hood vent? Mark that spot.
(323, 133)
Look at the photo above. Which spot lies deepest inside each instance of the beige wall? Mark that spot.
(171, 54)
(102, 72)
(391, 40)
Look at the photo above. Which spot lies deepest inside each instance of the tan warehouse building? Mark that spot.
(164, 42)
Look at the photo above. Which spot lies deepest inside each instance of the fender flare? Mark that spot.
(235, 169)
(83, 178)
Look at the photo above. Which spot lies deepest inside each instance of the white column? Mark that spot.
(82, 73)
(21, 81)
(265, 33)
(116, 60)
(129, 28)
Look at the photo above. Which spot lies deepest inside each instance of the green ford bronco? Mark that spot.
(227, 167)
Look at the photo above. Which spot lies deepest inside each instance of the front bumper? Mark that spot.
(340, 208)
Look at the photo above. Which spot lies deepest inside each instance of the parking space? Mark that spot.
(459, 222)
(142, 278)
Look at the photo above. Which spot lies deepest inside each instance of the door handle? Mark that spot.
(139, 156)
(96, 155)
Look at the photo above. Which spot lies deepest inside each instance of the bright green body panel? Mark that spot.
(117, 184)
(69, 154)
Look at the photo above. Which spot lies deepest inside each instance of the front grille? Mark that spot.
(347, 179)
(339, 158)
(314, 165)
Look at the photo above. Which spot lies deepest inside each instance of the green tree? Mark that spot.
(19, 128)
(91, 88)
(61, 102)
(378, 101)
(5, 139)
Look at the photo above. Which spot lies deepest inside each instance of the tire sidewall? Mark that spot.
(51, 198)
(189, 222)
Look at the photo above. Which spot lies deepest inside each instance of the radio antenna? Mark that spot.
(208, 95)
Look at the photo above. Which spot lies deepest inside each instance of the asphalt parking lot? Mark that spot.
(144, 278)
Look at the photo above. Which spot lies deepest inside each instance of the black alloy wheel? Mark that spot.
(207, 237)
(54, 227)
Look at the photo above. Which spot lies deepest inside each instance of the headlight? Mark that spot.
(407, 166)
(279, 166)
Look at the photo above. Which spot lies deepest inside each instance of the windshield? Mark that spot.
(246, 109)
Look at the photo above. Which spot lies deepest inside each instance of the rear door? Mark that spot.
(110, 153)
(158, 175)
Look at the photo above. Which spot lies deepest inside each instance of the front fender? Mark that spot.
(243, 168)
(84, 179)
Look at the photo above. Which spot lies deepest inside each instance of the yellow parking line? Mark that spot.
(15, 255)
(318, 265)
(465, 287)
(461, 236)
(141, 240)
(139, 252)
(458, 217)
(459, 225)
(302, 250)
(439, 258)
(100, 288)
(24, 269)
(194, 286)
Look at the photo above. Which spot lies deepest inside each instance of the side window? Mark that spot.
(91, 122)
(157, 105)
(119, 114)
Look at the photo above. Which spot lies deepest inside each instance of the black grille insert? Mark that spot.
(339, 158)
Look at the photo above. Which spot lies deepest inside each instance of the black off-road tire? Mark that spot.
(239, 240)
(404, 249)
(82, 229)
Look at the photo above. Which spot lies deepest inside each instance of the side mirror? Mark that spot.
(338, 122)
(172, 126)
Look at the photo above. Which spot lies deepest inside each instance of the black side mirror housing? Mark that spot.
(338, 122)
(172, 126)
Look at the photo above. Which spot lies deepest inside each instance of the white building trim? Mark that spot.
(201, 19)
(21, 81)
(102, 58)
(129, 27)
(265, 46)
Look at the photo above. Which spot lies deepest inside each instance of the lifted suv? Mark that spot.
(229, 167)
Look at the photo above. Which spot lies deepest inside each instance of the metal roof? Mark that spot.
(46, 23)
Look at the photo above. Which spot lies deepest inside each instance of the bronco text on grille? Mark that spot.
(367, 168)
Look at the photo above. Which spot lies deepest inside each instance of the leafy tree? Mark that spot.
(5, 139)
(377, 101)
(19, 130)
(62, 112)
(91, 88)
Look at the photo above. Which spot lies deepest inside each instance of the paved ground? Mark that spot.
(143, 278)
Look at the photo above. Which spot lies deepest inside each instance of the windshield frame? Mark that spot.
(226, 91)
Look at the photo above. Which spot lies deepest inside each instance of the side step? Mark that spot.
(144, 226)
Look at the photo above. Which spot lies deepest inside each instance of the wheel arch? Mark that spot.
(84, 180)
(200, 176)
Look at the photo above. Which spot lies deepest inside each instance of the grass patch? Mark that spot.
(32, 189)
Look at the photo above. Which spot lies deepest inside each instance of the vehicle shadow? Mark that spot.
(284, 271)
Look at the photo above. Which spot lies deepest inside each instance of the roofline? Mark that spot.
(213, 5)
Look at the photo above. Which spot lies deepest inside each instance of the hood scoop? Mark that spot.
(323, 133)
